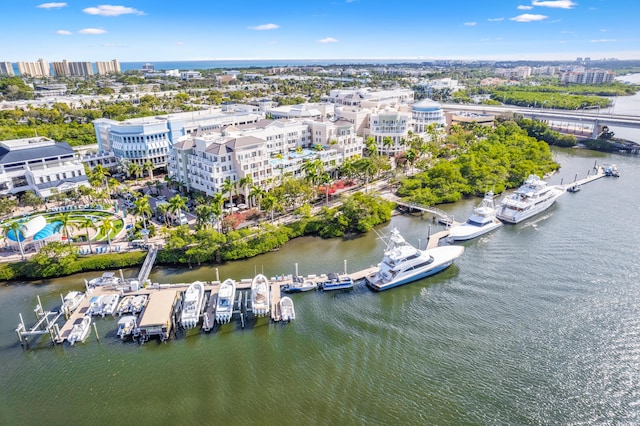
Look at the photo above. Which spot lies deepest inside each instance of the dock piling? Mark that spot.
(95, 328)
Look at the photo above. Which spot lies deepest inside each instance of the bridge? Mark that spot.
(594, 119)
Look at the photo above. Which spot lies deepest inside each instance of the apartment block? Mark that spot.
(73, 69)
(109, 67)
(591, 76)
(34, 69)
(6, 68)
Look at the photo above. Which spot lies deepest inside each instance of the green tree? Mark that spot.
(67, 222)
(87, 223)
(176, 204)
(16, 228)
(142, 208)
(29, 198)
(107, 226)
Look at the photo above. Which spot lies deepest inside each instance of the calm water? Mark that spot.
(536, 323)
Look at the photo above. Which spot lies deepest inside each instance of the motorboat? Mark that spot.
(287, 311)
(482, 220)
(260, 300)
(574, 188)
(138, 303)
(402, 263)
(71, 301)
(126, 325)
(109, 304)
(533, 197)
(300, 285)
(106, 279)
(96, 305)
(224, 304)
(192, 304)
(611, 170)
(124, 307)
(80, 330)
(336, 281)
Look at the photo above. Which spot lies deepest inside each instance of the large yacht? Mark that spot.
(533, 197)
(482, 220)
(402, 263)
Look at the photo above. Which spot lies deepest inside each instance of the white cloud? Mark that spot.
(265, 27)
(558, 4)
(603, 40)
(328, 40)
(51, 5)
(179, 43)
(63, 32)
(523, 7)
(92, 31)
(109, 10)
(528, 17)
(495, 19)
(602, 30)
(470, 24)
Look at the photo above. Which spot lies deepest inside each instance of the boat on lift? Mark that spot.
(287, 310)
(224, 304)
(192, 304)
(80, 330)
(126, 325)
(260, 301)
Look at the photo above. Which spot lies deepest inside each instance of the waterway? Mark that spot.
(537, 323)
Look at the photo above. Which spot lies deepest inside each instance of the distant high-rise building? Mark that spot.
(60, 69)
(109, 67)
(34, 69)
(6, 68)
(74, 69)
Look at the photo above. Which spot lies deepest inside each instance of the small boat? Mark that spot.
(402, 263)
(126, 325)
(574, 188)
(106, 279)
(224, 304)
(110, 303)
(80, 330)
(72, 301)
(610, 170)
(260, 304)
(192, 305)
(482, 220)
(96, 305)
(287, 311)
(299, 285)
(124, 307)
(533, 197)
(336, 281)
(138, 303)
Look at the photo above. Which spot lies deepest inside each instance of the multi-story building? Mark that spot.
(74, 69)
(34, 69)
(6, 68)
(368, 98)
(40, 165)
(516, 73)
(109, 67)
(390, 129)
(590, 76)
(265, 151)
(139, 140)
(426, 113)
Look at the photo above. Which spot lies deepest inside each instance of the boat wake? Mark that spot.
(534, 223)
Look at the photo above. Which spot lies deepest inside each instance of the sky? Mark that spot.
(160, 30)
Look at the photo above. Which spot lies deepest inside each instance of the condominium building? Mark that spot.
(390, 129)
(109, 67)
(40, 165)
(517, 73)
(265, 151)
(6, 68)
(425, 114)
(590, 76)
(369, 98)
(34, 69)
(139, 140)
(73, 69)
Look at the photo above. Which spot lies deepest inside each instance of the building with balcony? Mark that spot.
(390, 129)
(73, 69)
(40, 68)
(108, 67)
(6, 68)
(369, 98)
(139, 140)
(425, 114)
(591, 76)
(40, 165)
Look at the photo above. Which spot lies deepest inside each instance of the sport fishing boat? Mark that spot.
(482, 220)
(287, 311)
(226, 297)
(260, 302)
(80, 330)
(403, 263)
(533, 197)
(192, 305)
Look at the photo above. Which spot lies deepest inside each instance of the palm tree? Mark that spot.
(100, 174)
(162, 209)
(216, 207)
(387, 142)
(107, 227)
(65, 219)
(244, 184)
(16, 229)
(257, 193)
(87, 223)
(326, 180)
(142, 208)
(176, 204)
(228, 186)
(148, 166)
(134, 169)
(371, 145)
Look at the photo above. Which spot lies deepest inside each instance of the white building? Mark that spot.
(265, 150)
(591, 76)
(516, 73)
(40, 165)
(139, 140)
(390, 129)
(313, 110)
(109, 67)
(34, 69)
(369, 98)
(426, 113)
(442, 84)
(6, 68)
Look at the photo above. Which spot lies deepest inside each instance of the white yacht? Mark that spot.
(126, 325)
(482, 220)
(287, 311)
(110, 303)
(533, 197)
(260, 304)
(402, 263)
(192, 305)
(106, 279)
(224, 304)
(80, 330)
(71, 301)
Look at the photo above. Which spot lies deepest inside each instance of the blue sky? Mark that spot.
(158, 30)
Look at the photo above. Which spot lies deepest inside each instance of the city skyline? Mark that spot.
(345, 29)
